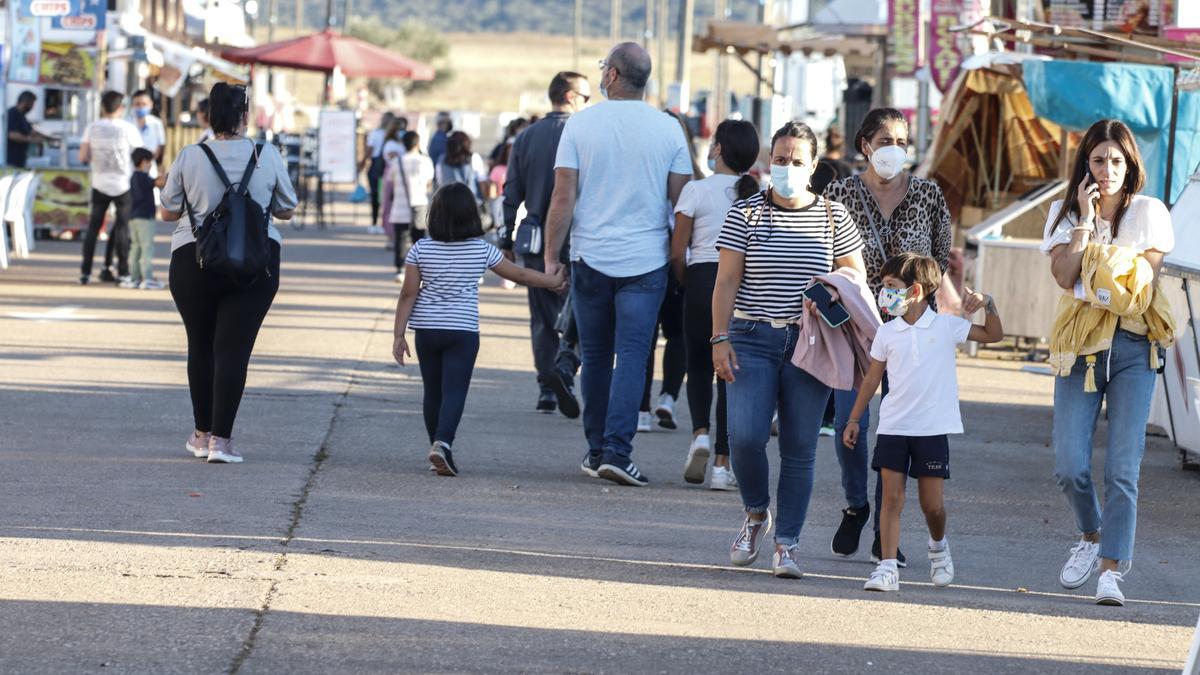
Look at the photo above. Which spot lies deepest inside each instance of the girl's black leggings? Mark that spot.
(697, 323)
(670, 321)
(447, 359)
(221, 316)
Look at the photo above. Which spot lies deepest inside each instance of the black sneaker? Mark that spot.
(442, 459)
(84, 279)
(107, 275)
(546, 403)
(877, 554)
(568, 405)
(622, 472)
(591, 464)
(845, 540)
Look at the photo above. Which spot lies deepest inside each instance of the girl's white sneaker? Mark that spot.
(697, 459)
(722, 479)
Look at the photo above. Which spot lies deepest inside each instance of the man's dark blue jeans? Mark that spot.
(616, 317)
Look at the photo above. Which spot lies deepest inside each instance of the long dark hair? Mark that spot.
(458, 149)
(227, 106)
(873, 122)
(1135, 174)
(688, 136)
(739, 150)
(454, 214)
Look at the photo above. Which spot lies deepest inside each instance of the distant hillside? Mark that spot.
(505, 16)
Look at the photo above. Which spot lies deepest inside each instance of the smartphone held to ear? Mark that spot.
(831, 311)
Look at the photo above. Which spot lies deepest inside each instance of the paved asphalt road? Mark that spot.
(333, 549)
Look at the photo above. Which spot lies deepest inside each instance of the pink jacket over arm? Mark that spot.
(839, 357)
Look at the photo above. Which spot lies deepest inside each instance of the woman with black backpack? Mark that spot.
(224, 261)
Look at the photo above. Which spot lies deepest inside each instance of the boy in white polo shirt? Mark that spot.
(917, 350)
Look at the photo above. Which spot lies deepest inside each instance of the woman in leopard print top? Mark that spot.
(896, 212)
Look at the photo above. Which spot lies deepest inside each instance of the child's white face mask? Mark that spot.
(893, 300)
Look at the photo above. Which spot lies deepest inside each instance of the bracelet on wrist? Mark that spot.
(854, 422)
(718, 338)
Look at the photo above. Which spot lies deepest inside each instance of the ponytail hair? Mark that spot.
(739, 150)
(227, 107)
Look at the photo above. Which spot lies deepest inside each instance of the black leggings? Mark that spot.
(447, 359)
(697, 325)
(118, 232)
(670, 320)
(222, 320)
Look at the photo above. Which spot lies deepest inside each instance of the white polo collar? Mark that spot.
(924, 322)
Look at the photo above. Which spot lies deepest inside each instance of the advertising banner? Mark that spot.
(905, 36)
(67, 65)
(86, 15)
(945, 56)
(63, 199)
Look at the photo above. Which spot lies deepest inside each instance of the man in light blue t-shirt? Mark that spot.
(620, 166)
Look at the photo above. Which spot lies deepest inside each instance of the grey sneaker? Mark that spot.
(784, 564)
(442, 459)
(745, 547)
(221, 451)
(197, 444)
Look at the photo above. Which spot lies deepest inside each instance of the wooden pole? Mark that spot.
(683, 64)
(663, 35)
(578, 32)
(614, 23)
(719, 100)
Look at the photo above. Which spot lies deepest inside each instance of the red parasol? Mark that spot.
(322, 51)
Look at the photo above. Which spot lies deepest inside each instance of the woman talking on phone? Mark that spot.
(896, 212)
(771, 246)
(1103, 207)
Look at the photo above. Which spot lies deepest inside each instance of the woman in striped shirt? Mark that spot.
(771, 246)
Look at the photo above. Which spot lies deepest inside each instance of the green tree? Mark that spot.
(413, 39)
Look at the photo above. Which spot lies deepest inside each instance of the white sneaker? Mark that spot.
(221, 451)
(884, 579)
(1108, 591)
(1079, 568)
(127, 282)
(666, 411)
(151, 285)
(644, 423)
(941, 567)
(722, 479)
(697, 459)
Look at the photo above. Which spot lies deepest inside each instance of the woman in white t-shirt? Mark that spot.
(440, 302)
(1103, 207)
(699, 215)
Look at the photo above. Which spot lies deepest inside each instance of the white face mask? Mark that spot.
(888, 161)
(789, 181)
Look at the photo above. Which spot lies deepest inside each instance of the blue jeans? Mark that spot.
(615, 316)
(1129, 387)
(854, 461)
(767, 380)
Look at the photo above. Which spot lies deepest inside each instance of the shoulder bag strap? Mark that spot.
(865, 199)
(832, 231)
(244, 186)
(404, 177)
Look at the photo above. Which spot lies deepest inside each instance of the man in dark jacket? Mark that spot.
(530, 181)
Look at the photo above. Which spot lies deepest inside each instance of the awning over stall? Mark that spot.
(754, 38)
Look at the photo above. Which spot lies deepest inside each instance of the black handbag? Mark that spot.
(528, 240)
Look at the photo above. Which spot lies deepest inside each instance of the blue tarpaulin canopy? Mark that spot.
(1076, 94)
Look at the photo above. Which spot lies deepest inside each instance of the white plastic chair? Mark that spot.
(6, 183)
(19, 211)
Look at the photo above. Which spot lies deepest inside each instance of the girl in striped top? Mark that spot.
(440, 302)
(771, 245)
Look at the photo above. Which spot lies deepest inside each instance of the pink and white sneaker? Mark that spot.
(197, 444)
(221, 451)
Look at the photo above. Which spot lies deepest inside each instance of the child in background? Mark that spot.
(917, 349)
(142, 224)
(440, 301)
